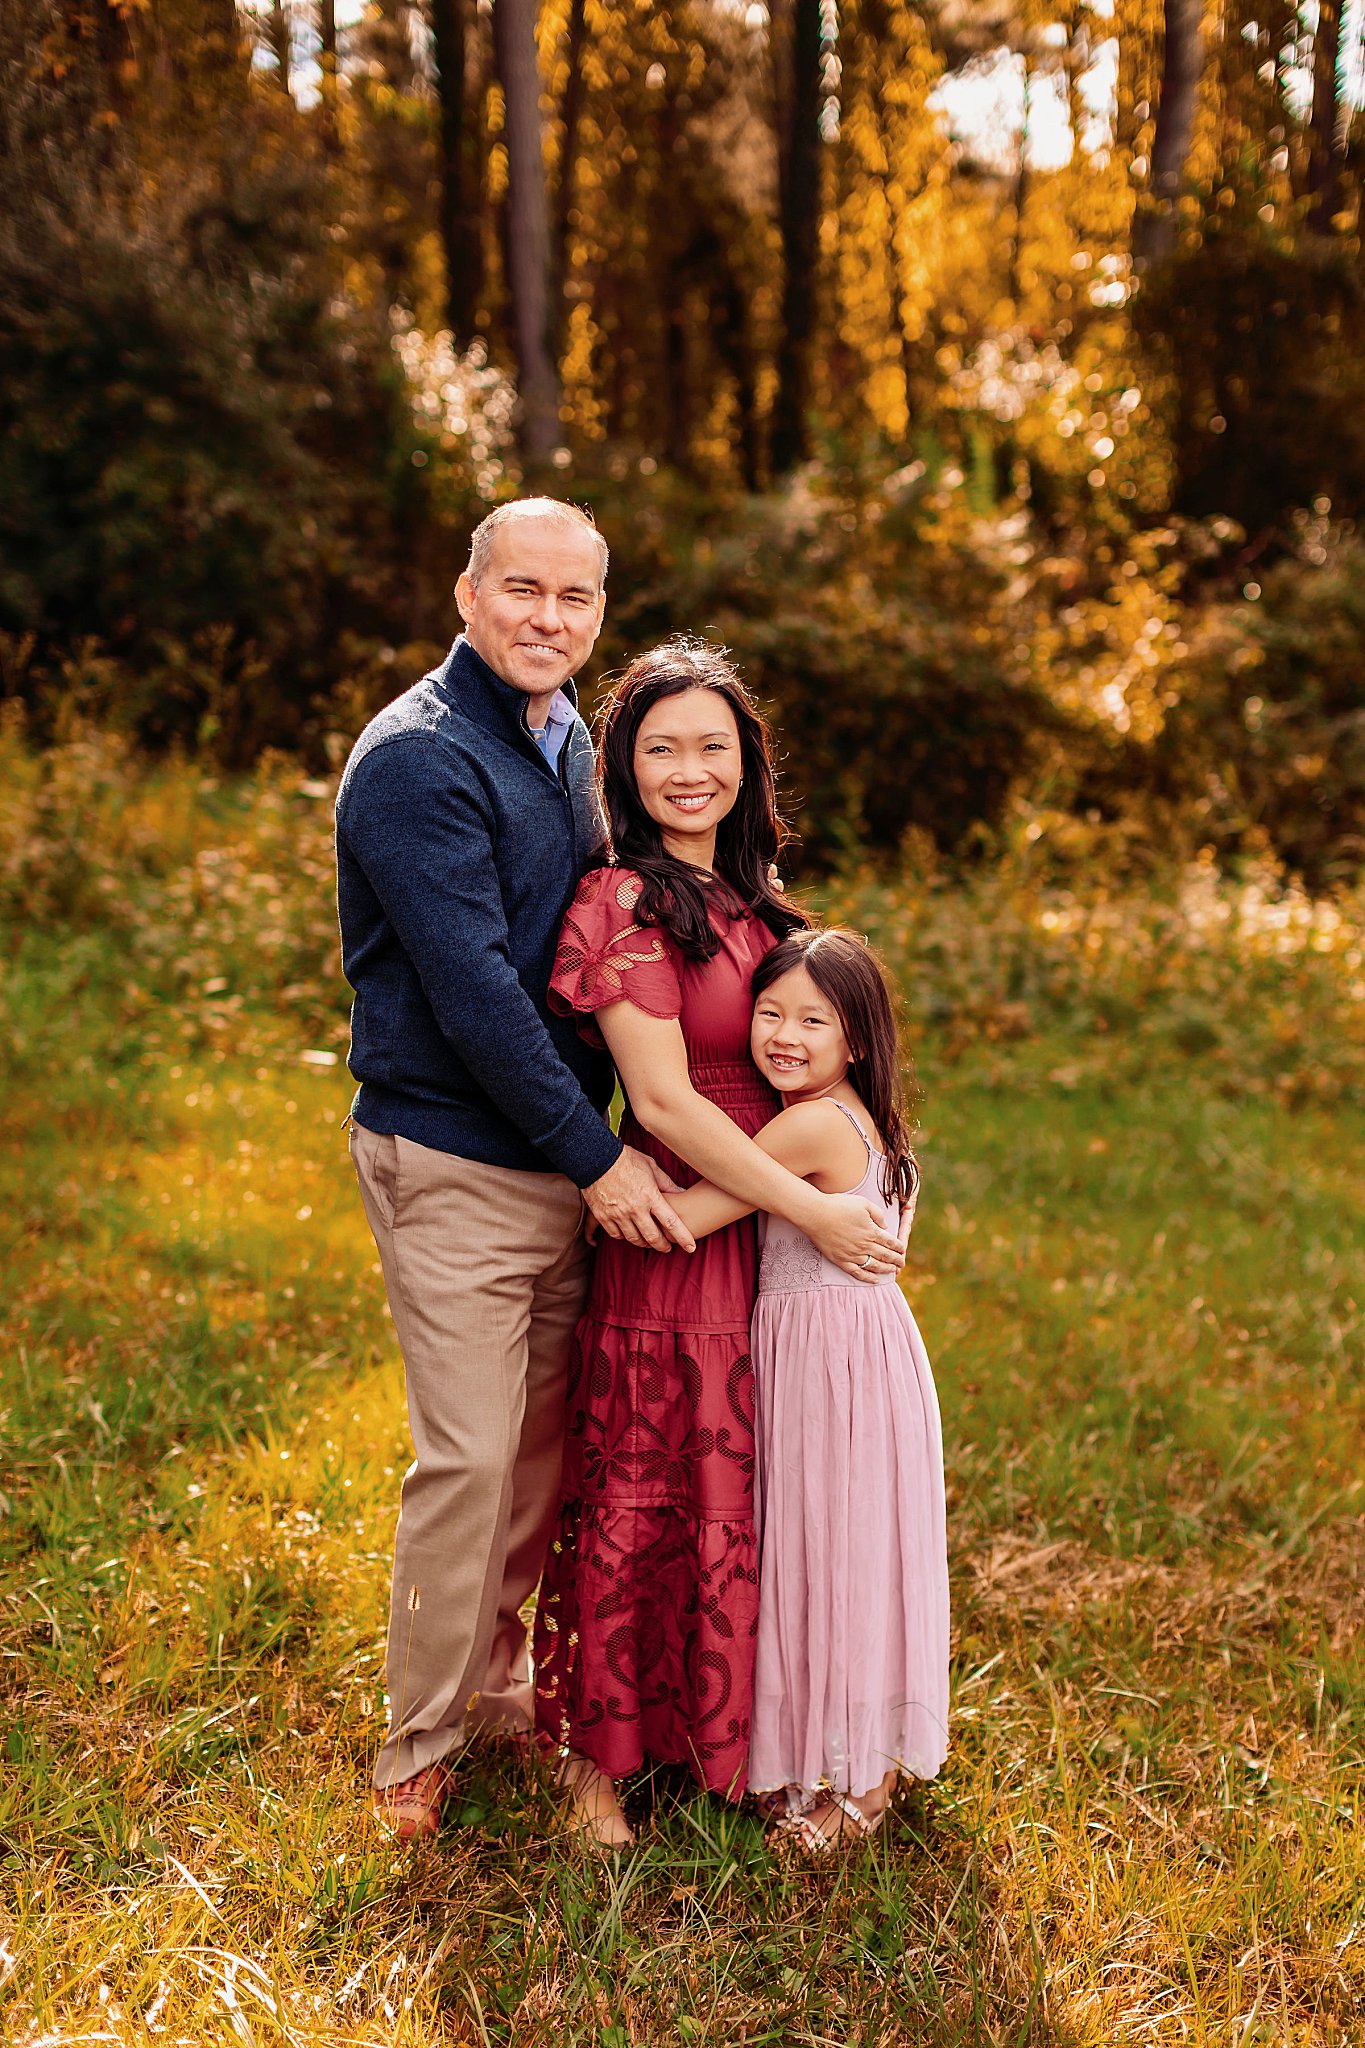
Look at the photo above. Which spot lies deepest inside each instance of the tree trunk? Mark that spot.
(736, 352)
(1327, 138)
(677, 397)
(281, 38)
(564, 195)
(1021, 189)
(461, 237)
(327, 65)
(528, 226)
(800, 229)
(1155, 225)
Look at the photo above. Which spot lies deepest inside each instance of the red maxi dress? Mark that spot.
(648, 1609)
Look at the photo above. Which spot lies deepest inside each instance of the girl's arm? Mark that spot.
(810, 1139)
(651, 1058)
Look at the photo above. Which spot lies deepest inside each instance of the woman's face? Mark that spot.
(796, 1039)
(688, 768)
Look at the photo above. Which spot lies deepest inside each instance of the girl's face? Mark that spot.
(796, 1039)
(687, 769)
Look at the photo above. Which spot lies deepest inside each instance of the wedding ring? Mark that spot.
(866, 1260)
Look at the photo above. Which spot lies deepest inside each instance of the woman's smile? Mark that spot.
(688, 765)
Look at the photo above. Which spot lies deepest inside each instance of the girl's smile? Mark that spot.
(796, 1039)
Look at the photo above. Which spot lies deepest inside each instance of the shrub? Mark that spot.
(204, 443)
(1267, 741)
(1263, 345)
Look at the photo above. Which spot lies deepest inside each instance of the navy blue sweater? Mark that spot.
(458, 851)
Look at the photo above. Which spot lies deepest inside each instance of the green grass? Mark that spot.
(1140, 1270)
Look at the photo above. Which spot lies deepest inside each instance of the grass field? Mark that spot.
(1140, 1270)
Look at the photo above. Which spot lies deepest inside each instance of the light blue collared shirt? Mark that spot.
(552, 735)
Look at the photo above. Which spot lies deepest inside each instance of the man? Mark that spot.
(465, 818)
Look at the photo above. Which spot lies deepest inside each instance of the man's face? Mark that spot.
(537, 609)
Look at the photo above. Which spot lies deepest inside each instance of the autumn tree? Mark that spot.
(528, 227)
(798, 58)
(461, 234)
(1328, 119)
(1156, 221)
(328, 69)
(566, 185)
(279, 30)
(664, 173)
(888, 192)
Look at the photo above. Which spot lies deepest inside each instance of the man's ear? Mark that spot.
(464, 597)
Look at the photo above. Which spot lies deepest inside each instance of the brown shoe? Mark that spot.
(414, 1807)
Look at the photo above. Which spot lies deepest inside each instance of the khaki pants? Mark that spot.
(486, 1271)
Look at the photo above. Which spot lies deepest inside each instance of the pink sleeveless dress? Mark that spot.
(851, 1661)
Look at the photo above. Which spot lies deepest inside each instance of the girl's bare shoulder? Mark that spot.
(820, 1134)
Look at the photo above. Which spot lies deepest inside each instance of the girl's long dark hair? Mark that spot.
(847, 974)
(674, 895)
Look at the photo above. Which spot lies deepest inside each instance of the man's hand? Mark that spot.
(628, 1202)
(850, 1233)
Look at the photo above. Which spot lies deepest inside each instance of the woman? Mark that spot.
(648, 1606)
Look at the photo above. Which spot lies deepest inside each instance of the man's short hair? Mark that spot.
(484, 534)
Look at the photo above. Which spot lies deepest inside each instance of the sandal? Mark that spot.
(799, 1827)
(863, 1827)
(791, 1825)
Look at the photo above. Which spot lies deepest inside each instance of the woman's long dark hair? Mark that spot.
(847, 974)
(674, 895)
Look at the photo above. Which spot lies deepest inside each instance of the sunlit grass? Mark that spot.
(1141, 1284)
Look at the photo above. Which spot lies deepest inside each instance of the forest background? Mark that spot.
(990, 377)
(1022, 463)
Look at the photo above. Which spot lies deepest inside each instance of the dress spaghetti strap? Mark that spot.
(872, 1152)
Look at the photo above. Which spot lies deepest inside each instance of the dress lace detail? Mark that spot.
(788, 1262)
(605, 955)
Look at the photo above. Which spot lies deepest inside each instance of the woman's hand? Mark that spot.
(851, 1234)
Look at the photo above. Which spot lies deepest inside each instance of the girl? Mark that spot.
(851, 1660)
